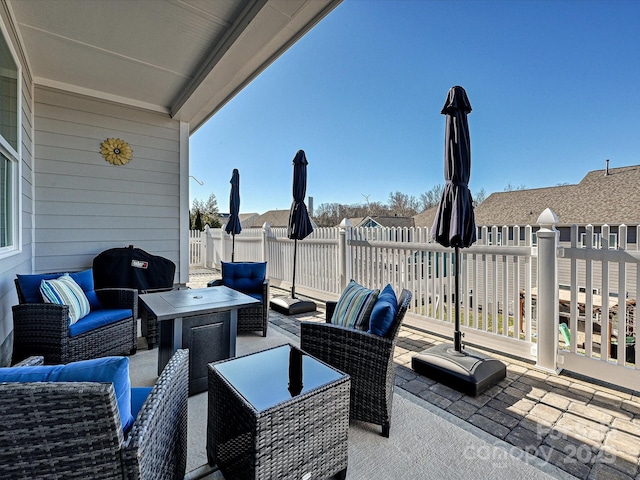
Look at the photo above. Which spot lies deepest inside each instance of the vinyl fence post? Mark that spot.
(342, 252)
(266, 228)
(547, 301)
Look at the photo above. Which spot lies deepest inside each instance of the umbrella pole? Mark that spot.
(293, 283)
(233, 247)
(457, 334)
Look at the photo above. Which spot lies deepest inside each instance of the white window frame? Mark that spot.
(14, 155)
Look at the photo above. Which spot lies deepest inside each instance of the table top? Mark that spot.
(270, 377)
(198, 301)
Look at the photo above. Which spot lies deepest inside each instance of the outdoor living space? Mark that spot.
(584, 428)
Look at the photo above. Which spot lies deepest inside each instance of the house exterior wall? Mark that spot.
(73, 204)
(83, 204)
(20, 260)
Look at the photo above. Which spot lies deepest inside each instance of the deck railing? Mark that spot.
(512, 296)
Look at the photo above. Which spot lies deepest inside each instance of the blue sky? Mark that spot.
(554, 86)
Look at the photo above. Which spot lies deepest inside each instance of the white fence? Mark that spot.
(502, 307)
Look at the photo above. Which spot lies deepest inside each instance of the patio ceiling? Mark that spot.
(186, 58)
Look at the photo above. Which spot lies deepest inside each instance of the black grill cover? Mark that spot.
(130, 267)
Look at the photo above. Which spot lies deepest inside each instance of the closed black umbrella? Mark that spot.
(465, 370)
(454, 225)
(299, 226)
(233, 225)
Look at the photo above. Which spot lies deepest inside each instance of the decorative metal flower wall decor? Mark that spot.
(116, 151)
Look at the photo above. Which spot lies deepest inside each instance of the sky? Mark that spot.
(554, 87)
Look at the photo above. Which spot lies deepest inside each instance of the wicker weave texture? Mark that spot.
(367, 358)
(254, 317)
(43, 329)
(53, 430)
(305, 437)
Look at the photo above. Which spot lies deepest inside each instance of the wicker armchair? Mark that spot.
(73, 430)
(366, 357)
(254, 317)
(43, 329)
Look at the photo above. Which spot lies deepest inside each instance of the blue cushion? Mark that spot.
(384, 312)
(102, 370)
(354, 306)
(138, 397)
(30, 286)
(246, 277)
(99, 318)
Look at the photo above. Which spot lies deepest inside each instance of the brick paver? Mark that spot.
(589, 430)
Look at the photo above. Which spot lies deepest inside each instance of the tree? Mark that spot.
(431, 198)
(197, 224)
(208, 211)
(512, 188)
(402, 204)
(479, 197)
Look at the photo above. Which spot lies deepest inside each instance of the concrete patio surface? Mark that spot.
(589, 430)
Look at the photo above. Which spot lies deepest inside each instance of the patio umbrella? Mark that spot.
(466, 370)
(233, 225)
(454, 225)
(299, 226)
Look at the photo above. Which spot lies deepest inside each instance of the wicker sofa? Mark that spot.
(43, 328)
(73, 429)
(248, 278)
(366, 357)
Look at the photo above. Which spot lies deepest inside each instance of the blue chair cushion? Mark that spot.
(384, 312)
(30, 286)
(97, 319)
(102, 370)
(245, 277)
(138, 397)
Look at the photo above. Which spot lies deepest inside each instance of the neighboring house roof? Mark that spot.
(186, 59)
(426, 218)
(598, 199)
(275, 218)
(380, 221)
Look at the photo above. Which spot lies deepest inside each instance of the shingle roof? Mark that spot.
(275, 218)
(391, 221)
(426, 218)
(598, 199)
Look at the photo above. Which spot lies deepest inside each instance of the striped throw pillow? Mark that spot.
(354, 306)
(65, 291)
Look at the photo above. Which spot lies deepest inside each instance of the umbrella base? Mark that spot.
(291, 306)
(469, 371)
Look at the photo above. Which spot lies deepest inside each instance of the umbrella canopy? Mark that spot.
(233, 225)
(454, 225)
(299, 223)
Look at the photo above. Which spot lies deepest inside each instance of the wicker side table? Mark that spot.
(279, 413)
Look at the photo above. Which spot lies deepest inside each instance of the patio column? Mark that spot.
(547, 301)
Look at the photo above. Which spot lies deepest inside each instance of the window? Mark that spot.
(9, 147)
(597, 241)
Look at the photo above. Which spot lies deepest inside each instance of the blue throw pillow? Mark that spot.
(384, 312)
(354, 306)
(245, 277)
(102, 370)
(65, 291)
(30, 286)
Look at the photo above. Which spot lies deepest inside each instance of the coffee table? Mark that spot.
(204, 320)
(279, 413)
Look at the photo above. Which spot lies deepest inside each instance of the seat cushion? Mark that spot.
(102, 370)
(65, 291)
(245, 277)
(354, 306)
(138, 397)
(99, 318)
(384, 312)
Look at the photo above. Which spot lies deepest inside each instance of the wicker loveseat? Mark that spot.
(73, 429)
(366, 357)
(250, 279)
(43, 328)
